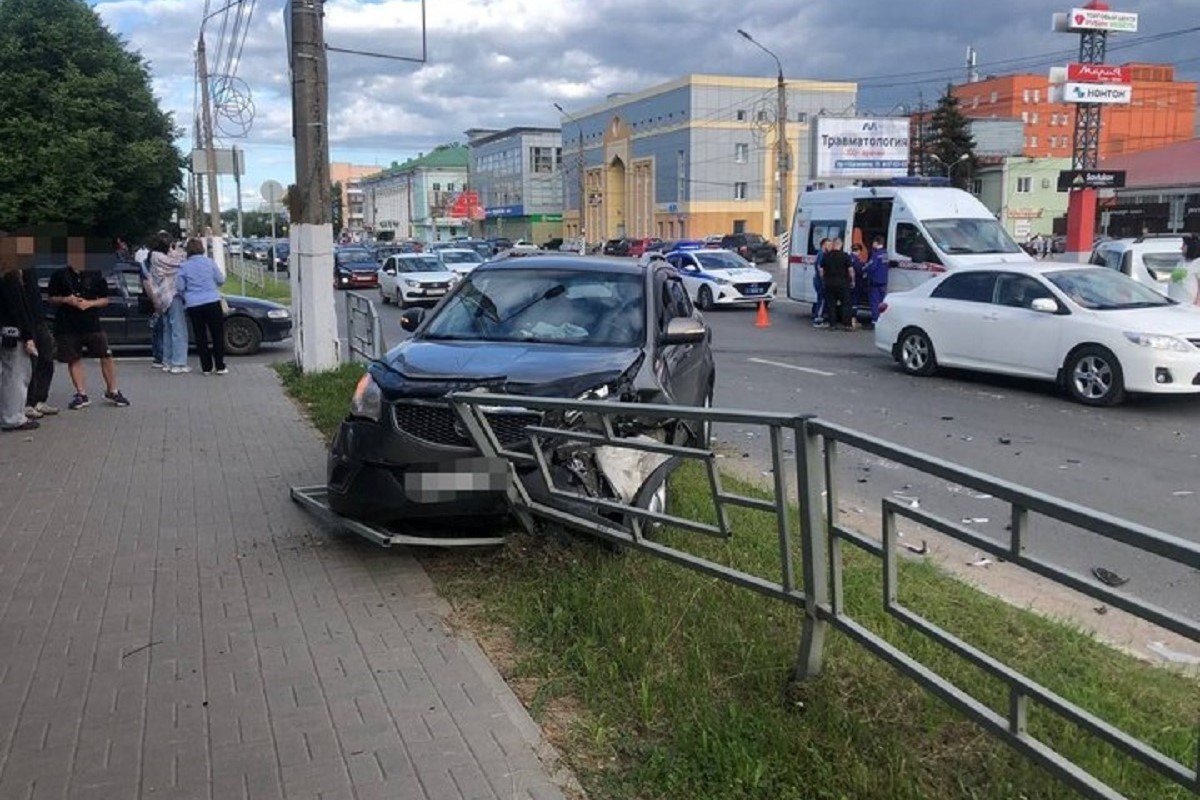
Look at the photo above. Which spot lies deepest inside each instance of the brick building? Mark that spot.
(1163, 111)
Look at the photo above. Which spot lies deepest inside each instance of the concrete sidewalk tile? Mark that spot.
(280, 659)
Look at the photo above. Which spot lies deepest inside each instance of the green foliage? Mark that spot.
(325, 396)
(82, 139)
(951, 140)
(338, 213)
(257, 223)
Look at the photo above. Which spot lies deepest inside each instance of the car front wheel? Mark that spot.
(243, 337)
(704, 299)
(915, 352)
(1094, 377)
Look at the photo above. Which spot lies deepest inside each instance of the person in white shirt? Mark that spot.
(1185, 278)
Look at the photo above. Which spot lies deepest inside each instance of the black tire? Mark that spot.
(914, 352)
(399, 298)
(1093, 376)
(243, 337)
(704, 299)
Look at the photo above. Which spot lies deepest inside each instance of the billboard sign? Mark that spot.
(860, 147)
(1108, 93)
(1098, 73)
(1093, 19)
(1090, 178)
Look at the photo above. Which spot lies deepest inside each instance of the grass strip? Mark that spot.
(656, 682)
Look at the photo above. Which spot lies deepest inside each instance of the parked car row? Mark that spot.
(750, 246)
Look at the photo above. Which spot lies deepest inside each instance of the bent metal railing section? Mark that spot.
(364, 330)
(816, 445)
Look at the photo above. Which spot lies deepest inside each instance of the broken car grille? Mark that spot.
(437, 424)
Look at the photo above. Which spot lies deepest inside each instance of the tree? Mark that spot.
(257, 223)
(338, 213)
(951, 142)
(82, 139)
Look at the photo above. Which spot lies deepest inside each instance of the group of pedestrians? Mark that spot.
(181, 283)
(845, 283)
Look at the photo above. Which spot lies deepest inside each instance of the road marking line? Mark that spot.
(809, 370)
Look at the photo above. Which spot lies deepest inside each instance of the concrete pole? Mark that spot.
(210, 156)
(783, 155)
(316, 341)
(241, 230)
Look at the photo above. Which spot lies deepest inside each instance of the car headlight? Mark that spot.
(368, 399)
(278, 313)
(411, 283)
(722, 281)
(598, 393)
(1159, 341)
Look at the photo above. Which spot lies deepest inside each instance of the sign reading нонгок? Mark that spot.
(1110, 93)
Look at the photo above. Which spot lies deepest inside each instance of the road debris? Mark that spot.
(947, 418)
(146, 646)
(1160, 648)
(982, 561)
(975, 520)
(1101, 609)
(1183, 493)
(912, 548)
(1109, 577)
(1005, 440)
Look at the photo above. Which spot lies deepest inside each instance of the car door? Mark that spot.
(387, 276)
(680, 367)
(953, 316)
(1016, 339)
(689, 271)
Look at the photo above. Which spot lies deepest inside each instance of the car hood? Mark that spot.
(1181, 320)
(252, 303)
(428, 277)
(418, 368)
(741, 275)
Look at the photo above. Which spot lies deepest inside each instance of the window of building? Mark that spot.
(449, 187)
(975, 102)
(1033, 117)
(437, 187)
(976, 186)
(741, 115)
(1024, 116)
(741, 153)
(1033, 141)
(739, 190)
(739, 226)
(762, 116)
(1024, 185)
(801, 116)
(542, 159)
(995, 96)
(1037, 95)
(1025, 96)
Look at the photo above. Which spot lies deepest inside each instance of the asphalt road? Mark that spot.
(1139, 461)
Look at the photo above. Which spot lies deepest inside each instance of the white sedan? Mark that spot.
(414, 278)
(459, 259)
(1092, 330)
(721, 277)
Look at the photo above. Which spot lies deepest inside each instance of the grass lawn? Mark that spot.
(656, 682)
(278, 290)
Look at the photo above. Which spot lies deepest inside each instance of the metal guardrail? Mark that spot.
(816, 445)
(364, 330)
(246, 271)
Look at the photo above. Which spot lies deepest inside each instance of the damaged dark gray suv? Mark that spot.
(555, 326)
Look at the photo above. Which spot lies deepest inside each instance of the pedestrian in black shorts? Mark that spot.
(78, 295)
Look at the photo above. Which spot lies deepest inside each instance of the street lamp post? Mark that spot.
(782, 156)
(948, 169)
(210, 150)
(582, 183)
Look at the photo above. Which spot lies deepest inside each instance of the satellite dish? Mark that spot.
(271, 191)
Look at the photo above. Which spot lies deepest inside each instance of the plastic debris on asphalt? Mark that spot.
(1160, 648)
(975, 520)
(1107, 576)
(912, 548)
(980, 562)
(1183, 493)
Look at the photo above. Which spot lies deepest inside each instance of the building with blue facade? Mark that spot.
(518, 176)
(689, 158)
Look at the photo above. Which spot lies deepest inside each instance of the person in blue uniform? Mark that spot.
(876, 275)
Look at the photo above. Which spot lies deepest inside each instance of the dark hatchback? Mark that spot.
(750, 246)
(126, 319)
(354, 267)
(556, 326)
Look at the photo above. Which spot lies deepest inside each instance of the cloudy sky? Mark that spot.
(499, 63)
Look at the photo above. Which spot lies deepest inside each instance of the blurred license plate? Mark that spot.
(465, 476)
(753, 290)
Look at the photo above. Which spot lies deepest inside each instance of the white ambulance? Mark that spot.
(927, 230)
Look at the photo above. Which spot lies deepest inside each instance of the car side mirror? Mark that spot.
(410, 319)
(1044, 305)
(389, 272)
(684, 330)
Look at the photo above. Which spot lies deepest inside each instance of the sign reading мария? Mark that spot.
(1098, 73)
(1092, 19)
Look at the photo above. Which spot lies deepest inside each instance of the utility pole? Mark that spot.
(312, 228)
(210, 157)
(582, 183)
(782, 155)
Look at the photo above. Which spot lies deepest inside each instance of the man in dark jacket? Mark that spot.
(36, 401)
(837, 275)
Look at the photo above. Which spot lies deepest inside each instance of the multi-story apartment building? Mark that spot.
(416, 199)
(348, 176)
(1163, 111)
(691, 157)
(518, 176)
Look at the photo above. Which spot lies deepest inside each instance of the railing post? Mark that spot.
(814, 553)
(349, 328)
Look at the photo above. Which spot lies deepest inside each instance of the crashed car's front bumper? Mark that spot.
(389, 477)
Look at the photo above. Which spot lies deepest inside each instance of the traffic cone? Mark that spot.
(763, 320)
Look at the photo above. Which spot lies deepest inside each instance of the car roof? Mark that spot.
(458, 250)
(568, 262)
(1026, 267)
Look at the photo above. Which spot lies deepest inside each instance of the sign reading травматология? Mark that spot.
(859, 147)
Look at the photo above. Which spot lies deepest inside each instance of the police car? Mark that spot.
(721, 277)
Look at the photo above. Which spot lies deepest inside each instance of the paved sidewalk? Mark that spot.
(172, 625)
